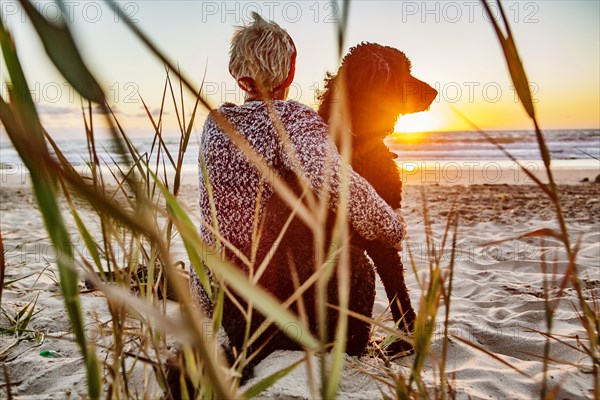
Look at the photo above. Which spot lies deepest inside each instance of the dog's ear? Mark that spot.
(327, 96)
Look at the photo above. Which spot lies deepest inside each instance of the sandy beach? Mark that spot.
(497, 300)
(488, 109)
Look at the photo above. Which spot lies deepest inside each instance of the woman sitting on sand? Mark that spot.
(262, 60)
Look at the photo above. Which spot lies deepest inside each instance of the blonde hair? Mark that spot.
(263, 52)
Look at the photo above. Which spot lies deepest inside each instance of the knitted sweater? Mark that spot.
(235, 182)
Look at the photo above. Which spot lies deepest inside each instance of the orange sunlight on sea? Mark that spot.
(412, 124)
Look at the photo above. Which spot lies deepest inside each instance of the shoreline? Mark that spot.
(495, 172)
(418, 172)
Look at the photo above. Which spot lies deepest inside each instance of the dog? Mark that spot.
(380, 88)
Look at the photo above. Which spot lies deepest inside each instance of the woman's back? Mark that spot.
(237, 185)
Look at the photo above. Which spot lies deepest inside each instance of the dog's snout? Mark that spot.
(417, 96)
(428, 94)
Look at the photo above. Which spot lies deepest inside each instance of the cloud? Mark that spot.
(101, 110)
(154, 112)
(45, 109)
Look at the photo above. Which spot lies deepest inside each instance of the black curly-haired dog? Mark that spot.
(379, 88)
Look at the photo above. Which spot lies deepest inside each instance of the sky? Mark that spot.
(451, 44)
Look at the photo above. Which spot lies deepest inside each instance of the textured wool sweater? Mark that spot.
(239, 192)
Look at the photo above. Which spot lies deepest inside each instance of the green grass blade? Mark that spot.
(23, 100)
(89, 241)
(218, 310)
(515, 66)
(154, 49)
(69, 280)
(341, 235)
(2, 266)
(24, 319)
(16, 278)
(26, 135)
(518, 76)
(342, 25)
(61, 49)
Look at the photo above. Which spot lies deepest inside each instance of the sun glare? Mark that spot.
(412, 123)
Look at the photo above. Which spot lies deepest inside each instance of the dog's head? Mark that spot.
(379, 88)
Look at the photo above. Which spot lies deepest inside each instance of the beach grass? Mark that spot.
(134, 265)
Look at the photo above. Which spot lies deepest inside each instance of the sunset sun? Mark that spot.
(420, 122)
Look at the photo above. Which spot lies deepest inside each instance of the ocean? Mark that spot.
(580, 144)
